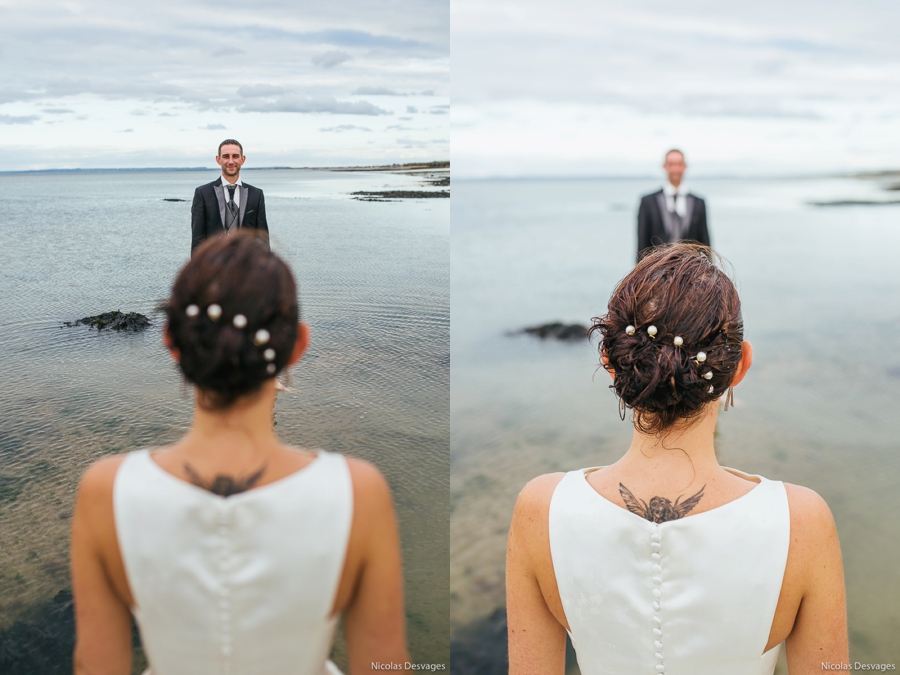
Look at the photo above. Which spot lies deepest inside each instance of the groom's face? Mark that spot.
(230, 159)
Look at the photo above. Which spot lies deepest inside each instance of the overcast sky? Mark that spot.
(604, 88)
(105, 83)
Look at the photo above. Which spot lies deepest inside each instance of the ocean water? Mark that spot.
(374, 286)
(821, 303)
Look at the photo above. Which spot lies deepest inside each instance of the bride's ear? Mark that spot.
(167, 341)
(604, 359)
(744, 365)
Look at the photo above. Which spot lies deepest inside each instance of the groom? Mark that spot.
(671, 214)
(227, 204)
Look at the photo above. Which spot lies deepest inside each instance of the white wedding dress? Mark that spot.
(693, 596)
(242, 585)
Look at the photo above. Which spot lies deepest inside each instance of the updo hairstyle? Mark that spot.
(682, 290)
(242, 276)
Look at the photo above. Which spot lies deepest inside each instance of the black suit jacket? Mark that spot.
(652, 230)
(207, 212)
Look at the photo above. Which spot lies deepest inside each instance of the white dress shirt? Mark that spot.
(237, 192)
(676, 198)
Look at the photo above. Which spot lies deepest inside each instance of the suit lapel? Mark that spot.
(220, 195)
(244, 191)
(664, 214)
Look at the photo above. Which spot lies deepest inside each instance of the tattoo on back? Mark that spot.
(660, 509)
(224, 485)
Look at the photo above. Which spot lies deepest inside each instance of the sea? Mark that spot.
(373, 282)
(821, 304)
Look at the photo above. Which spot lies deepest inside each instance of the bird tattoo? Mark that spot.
(224, 485)
(660, 509)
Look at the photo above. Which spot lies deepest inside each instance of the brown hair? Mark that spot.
(229, 141)
(682, 290)
(241, 275)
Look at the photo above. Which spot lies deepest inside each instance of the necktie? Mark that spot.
(232, 216)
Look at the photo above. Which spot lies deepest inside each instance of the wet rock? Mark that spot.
(172, 199)
(42, 643)
(480, 648)
(400, 194)
(118, 321)
(558, 331)
(856, 202)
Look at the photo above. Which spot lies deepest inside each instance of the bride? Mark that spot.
(666, 562)
(235, 553)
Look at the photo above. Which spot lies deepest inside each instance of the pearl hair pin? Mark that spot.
(192, 311)
(651, 331)
(707, 375)
(261, 337)
(269, 354)
(239, 321)
(270, 369)
(711, 389)
(629, 330)
(678, 341)
(701, 357)
(214, 312)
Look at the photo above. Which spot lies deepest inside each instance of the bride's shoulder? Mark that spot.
(809, 512)
(370, 488)
(99, 477)
(533, 502)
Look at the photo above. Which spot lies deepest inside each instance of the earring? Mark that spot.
(621, 408)
(729, 398)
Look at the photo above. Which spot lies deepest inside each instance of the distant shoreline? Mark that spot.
(412, 166)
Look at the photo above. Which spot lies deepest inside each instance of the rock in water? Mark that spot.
(558, 331)
(117, 321)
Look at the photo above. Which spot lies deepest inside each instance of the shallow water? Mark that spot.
(373, 282)
(820, 297)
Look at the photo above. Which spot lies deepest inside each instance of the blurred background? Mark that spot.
(788, 118)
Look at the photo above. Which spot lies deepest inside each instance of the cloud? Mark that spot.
(197, 62)
(331, 59)
(127, 131)
(404, 119)
(214, 127)
(439, 110)
(228, 51)
(346, 127)
(411, 143)
(399, 127)
(410, 109)
(375, 91)
(259, 90)
(24, 119)
(313, 104)
(57, 111)
(351, 39)
(427, 92)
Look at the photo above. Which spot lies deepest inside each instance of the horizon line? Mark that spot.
(886, 173)
(206, 168)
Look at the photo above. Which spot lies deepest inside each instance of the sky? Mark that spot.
(111, 84)
(568, 88)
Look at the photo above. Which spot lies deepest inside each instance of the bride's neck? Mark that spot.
(243, 430)
(668, 453)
